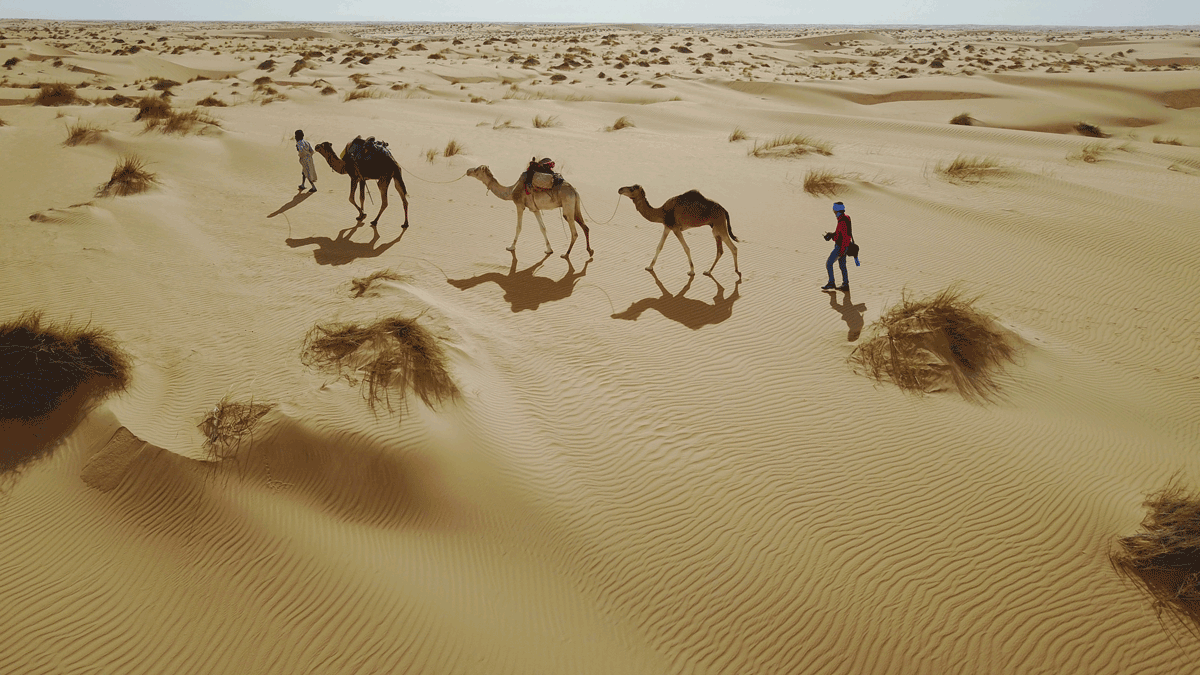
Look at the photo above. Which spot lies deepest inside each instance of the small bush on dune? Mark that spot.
(790, 145)
(3, 123)
(182, 122)
(211, 102)
(623, 122)
(431, 154)
(328, 90)
(356, 94)
(57, 93)
(963, 119)
(82, 133)
(452, 148)
(1165, 557)
(390, 354)
(51, 375)
(970, 169)
(824, 182)
(228, 424)
(1092, 130)
(1167, 141)
(540, 122)
(150, 108)
(129, 177)
(361, 285)
(737, 135)
(939, 342)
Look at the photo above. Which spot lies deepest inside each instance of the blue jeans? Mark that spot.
(841, 262)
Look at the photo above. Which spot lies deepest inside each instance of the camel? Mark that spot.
(363, 165)
(690, 209)
(561, 195)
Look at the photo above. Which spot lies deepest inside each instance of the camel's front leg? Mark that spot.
(666, 231)
(383, 190)
(361, 214)
(688, 251)
(520, 215)
(538, 214)
(720, 250)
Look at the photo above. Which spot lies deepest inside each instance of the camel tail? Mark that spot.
(399, 176)
(728, 224)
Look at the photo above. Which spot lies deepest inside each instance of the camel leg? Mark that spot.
(520, 215)
(688, 251)
(403, 198)
(666, 231)
(587, 236)
(361, 214)
(568, 207)
(720, 250)
(542, 224)
(383, 190)
(728, 237)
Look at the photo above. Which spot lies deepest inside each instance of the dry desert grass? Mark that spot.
(1167, 141)
(390, 354)
(939, 342)
(228, 424)
(57, 93)
(826, 182)
(82, 133)
(151, 107)
(49, 370)
(737, 135)
(1165, 556)
(963, 119)
(622, 122)
(358, 94)
(790, 145)
(361, 285)
(181, 122)
(970, 170)
(540, 122)
(1091, 153)
(453, 148)
(129, 177)
(1087, 129)
(211, 102)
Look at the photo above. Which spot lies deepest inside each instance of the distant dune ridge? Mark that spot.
(246, 432)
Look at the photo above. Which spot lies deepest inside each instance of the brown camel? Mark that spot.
(690, 209)
(362, 162)
(561, 195)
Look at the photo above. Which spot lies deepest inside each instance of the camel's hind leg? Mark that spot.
(383, 190)
(403, 197)
(542, 224)
(568, 208)
(688, 251)
(587, 235)
(353, 184)
(721, 232)
(666, 231)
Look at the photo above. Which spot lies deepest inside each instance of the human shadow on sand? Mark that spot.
(342, 250)
(300, 196)
(694, 314)
(524, 289)
(851, 313)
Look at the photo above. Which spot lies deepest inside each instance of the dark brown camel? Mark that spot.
(363, 163)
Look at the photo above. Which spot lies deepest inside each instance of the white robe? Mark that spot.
(306, 159)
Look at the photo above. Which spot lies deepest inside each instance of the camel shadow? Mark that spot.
(851, 313)
(524, 289)
(694, 314)
(300, 196)
(342, 250)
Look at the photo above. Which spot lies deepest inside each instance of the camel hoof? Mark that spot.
(708, 273)
(549, 251)
(591, 252)
(691, 273)
(565, 256)
(650, 268)
(404, 226)
(511, 248)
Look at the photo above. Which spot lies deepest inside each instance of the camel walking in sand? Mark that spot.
(690, 209)
(362, 162)
(560, 196)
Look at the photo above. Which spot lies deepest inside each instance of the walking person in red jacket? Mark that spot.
(841, 237)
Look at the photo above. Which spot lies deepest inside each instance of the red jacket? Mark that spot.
(841, 236)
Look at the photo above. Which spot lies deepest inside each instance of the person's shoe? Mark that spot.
(313, 190)
(828, 287)
(300, 187)
(844, 287)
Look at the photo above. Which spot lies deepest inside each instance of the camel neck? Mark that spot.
(649, 212)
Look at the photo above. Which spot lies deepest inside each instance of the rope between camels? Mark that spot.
(610, 218)
(435, 182)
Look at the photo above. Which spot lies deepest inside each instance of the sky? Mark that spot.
(843, 12)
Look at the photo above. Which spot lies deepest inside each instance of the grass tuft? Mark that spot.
(963, 119)
(82, 133)
(228, 423)
(129, 177)
(937, 343)
(453, 148)
(211, 102)
(182, 122)
(540, 122)
(970, 169)
(357, 94)
(152, 108)
(51, 375)
(790, 145)
(1167, 141)
(391, 354)
(1092, 130)
(623, 122)
(1165, 557)
(57, 93)
(824, 182)
(431, 154)
(737, 135)
(361, 285)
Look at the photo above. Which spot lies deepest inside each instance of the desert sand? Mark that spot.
(643, 473)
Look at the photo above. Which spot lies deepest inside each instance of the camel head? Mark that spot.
(634, 192)
(481, 172)
(324, 147)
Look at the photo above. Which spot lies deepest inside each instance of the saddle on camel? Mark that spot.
(541, 176)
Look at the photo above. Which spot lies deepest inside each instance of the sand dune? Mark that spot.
(644, 473)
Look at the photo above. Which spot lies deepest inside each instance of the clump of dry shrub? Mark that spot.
(360, 285)
(182, 122)
(453, 148)
(1167, 141)
(1165, 557)
(738, 134)
(970, 169)
(623, 122)
(357, 94)
(790, 145)
(824, 182)
(963, 119)
(129, 177)
(228, 423)
(82, 133)
(56, 93)
(936, 343)
(540, 122)
(392, 353)
(211, 102)
(150, 108)
(51, 375)
(1086, 129)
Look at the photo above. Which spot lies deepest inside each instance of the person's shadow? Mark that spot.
(525, 290)
(300, 196)
(694, 314)
(342, 250)
(851, 313)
